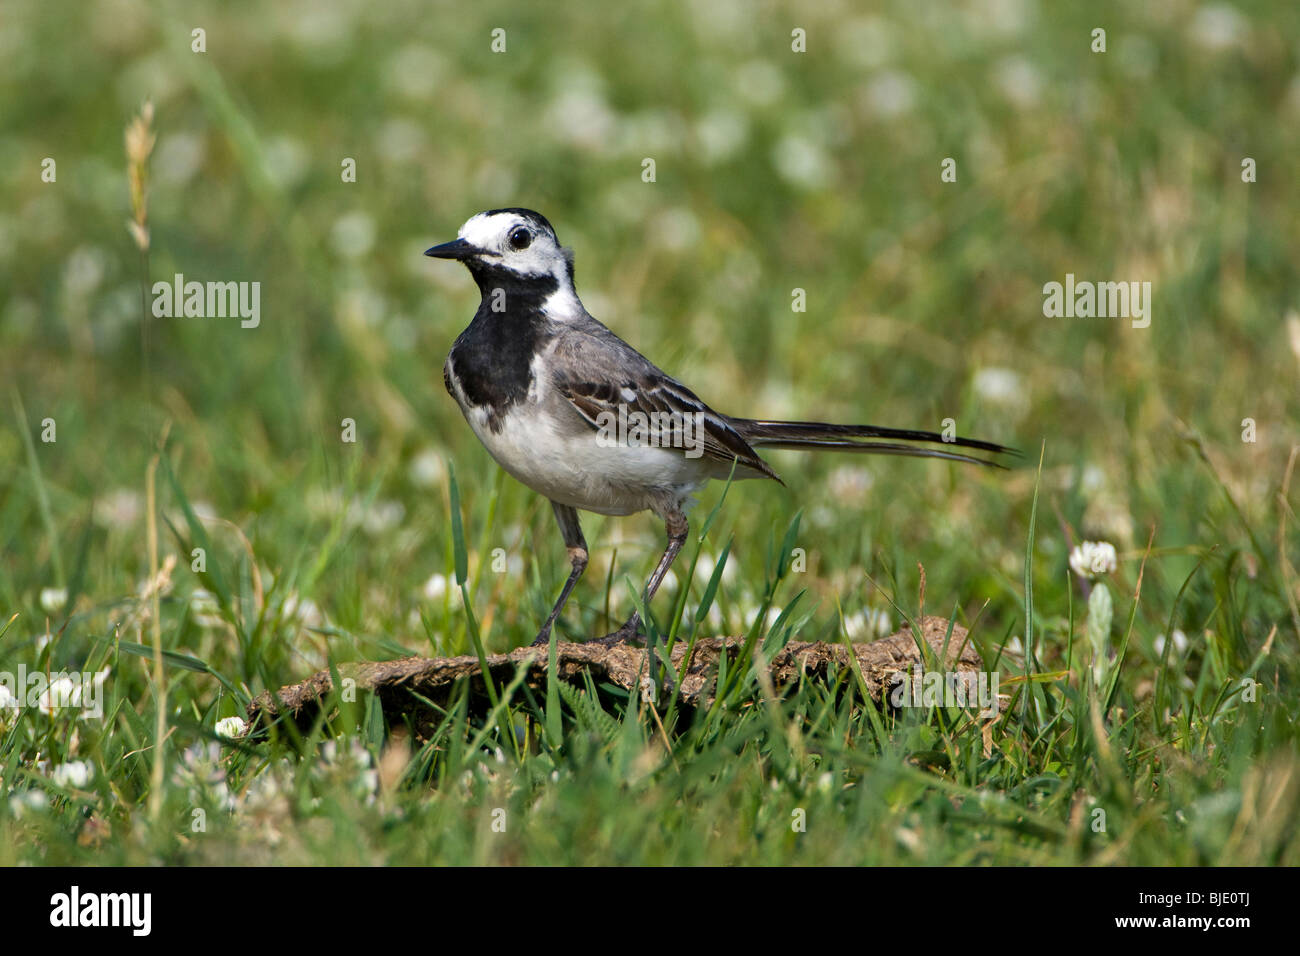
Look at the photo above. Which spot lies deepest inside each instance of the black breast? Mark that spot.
(492, 359)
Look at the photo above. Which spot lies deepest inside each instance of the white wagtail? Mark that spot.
(550, 392)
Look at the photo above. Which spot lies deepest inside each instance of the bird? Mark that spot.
(573, 412)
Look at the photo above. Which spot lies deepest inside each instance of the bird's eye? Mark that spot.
(520, 239)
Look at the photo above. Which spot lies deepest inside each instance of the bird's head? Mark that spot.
(516, 244)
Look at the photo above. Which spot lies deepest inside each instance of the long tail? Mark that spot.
(820, 435)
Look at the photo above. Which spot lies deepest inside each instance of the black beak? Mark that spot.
(456, 249)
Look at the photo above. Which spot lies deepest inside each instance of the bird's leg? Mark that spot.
(677, 526)
(577, 546)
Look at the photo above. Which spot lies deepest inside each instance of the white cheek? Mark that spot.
(525, 260)
(536, 260)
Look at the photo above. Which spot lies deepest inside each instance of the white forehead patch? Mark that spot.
(489, 231)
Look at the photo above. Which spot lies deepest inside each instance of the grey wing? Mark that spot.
(597, 372)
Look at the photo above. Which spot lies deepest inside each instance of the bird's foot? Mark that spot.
(543, 637)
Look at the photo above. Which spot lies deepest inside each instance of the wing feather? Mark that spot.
(627, 380)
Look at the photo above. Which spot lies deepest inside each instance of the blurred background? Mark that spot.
(775, 170)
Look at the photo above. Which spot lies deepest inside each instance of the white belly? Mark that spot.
(574, 467)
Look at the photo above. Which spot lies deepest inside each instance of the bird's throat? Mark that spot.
(491, 360)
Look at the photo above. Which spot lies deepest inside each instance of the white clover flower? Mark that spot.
(1000, 386)
(908, 838)
(439, 585)
(295, 609)
(119, 509)
(759, 82)
(286, 161)
(348, 759)
(675, 229)
(231, 728)
(64, 692)
(1179, 639)
(179, 158)
(849, 484)
(353, 235)
(1218, 26)
(721, 134)
(1020, 81)
(205, 609)
(802, 162)
(84, 270)
(820, 516)
(75, 773)
(427, 469)
(713, 618)
(350, 751)
(580, 116)
(1092, 559)
(1093, 480)
(7, 700)
(708, 562)
(200, 760)
(380, 517)
(368, 783)
(746, 609)
(891, 93)
(61, 692)
(269, 789)
(200, 772)
(53, 599)
(29, 800)
(868, 624)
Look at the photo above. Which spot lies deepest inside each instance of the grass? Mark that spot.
(1129, 738)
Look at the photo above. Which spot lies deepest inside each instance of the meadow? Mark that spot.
(200, 509)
